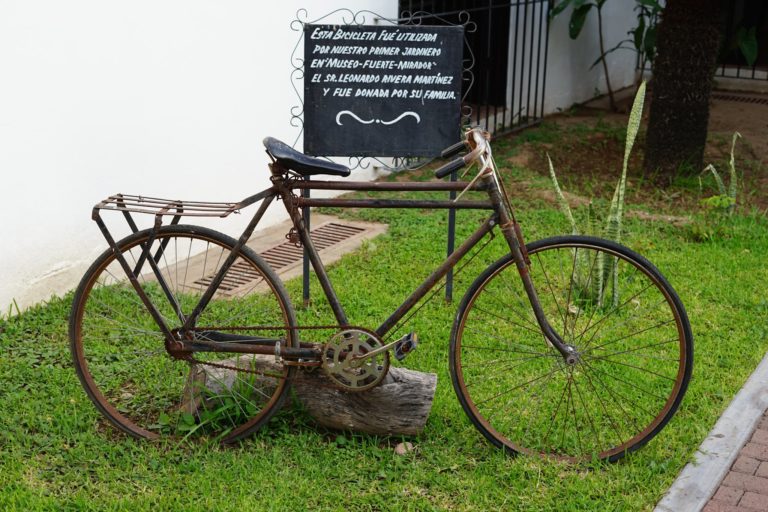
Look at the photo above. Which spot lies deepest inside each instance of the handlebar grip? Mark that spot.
(453, 165)
(452, 150)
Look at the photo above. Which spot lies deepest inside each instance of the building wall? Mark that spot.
(167, 99)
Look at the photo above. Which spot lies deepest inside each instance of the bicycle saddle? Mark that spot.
(301, 163)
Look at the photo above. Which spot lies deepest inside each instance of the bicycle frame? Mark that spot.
(285, 185)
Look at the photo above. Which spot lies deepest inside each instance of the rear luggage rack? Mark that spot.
(159, 207)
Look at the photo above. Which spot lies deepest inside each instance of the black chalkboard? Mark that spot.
(381, 90)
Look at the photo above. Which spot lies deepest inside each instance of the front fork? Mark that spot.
(514, 237)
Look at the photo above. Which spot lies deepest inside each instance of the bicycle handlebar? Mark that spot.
(475, 139)
(452, 150)
(453, 165)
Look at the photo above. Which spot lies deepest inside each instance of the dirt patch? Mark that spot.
(749, 119)
(588, 150)
(574, 201)
(675, 220)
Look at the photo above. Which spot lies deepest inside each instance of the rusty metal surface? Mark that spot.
(395, 203)
(381, 186)
(158, 206)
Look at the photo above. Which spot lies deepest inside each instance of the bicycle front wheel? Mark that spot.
(120, 353)
(623, 319)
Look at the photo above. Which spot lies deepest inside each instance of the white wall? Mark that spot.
(169, 98)
(569, 79)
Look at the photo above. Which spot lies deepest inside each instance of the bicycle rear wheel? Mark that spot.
(627, 324)
(120, 354)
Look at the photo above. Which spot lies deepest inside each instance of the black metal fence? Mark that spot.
(507, 51)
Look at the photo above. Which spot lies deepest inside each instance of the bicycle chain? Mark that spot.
(296, 377)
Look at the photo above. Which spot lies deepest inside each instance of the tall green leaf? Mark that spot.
(558, 8)
(747, 41)
(561, 201)
(578, 17)
(734, 184)
(721, 190)
(616, 211)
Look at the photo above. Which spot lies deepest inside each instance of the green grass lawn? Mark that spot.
(57, 453)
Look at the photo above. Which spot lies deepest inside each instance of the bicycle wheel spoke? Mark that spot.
(590, 420)
(611, 312)
(618, 398)
(587, 286)
(635, 333)
(518, 386)
(538, 397)
(608, 360)
(519, 363)
(601, 402)
(507, 344)
(528, 322)
(570, 291)
(529, 329)
(551, 290)
(631, 384)
(545, 441)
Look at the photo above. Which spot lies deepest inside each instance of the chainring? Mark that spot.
(344, 362)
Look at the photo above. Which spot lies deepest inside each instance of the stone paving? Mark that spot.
(745, 486)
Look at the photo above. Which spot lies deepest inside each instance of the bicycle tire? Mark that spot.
(119, 353)
(635, 352)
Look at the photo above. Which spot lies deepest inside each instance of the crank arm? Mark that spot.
(409, 339)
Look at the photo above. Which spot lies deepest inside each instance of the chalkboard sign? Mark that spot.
(381, 90)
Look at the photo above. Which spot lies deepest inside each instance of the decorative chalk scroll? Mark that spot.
(369, 121)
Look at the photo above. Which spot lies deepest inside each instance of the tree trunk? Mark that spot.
(688, 43)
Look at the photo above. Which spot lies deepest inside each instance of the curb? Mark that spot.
(699, 480)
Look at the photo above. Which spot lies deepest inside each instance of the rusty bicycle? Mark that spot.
(572, 347)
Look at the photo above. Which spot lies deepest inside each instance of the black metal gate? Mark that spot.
(506, 84)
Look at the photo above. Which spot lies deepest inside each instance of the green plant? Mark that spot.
(595, 279)
(719, 208)
(643, 36)
(725, 201)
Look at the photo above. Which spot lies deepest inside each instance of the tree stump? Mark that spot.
(400, 405)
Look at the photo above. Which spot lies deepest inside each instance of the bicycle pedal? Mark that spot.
(406, 345)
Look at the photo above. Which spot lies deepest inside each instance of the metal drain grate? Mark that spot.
(740, 98)
(323, 237)
(239, 275)
(280, 256)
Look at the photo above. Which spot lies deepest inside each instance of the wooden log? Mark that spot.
(400, 405)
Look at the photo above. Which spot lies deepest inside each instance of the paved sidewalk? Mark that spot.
(729, 471)
(745, 486)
